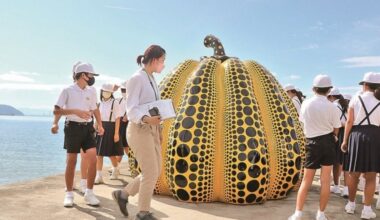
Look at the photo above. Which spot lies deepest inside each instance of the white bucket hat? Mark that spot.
(80, 67)
(289, 87)
(123, 85)
(108, 87)
(334, 91)
(322, 81)
(371, 77)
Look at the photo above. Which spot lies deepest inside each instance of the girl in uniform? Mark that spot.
(293, 94)
(338, 100)
(108, 145)
(361, 141)
(143, 133)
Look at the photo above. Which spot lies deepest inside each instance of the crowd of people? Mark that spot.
(341, 136)
(342, 139)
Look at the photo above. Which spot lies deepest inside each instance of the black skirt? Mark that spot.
(340, 155)
(123, 133)
(363, 149)
(106, 145)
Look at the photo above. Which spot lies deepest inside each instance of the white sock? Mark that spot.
(320, 213)
(83, 181)
(351, 203)
(298, 213)
(99, 173)
(367, 208)
(89, 191)
(70, 193)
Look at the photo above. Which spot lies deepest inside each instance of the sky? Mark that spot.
(295, 40)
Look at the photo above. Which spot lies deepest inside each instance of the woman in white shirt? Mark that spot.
(143, 132)
(293, 95)
(362, 140)
(341, 103)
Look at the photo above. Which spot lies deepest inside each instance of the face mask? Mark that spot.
(124, 95)
(90, 81)
(106, 95)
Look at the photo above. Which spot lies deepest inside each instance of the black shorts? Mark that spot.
(79, 136)
(320, 151)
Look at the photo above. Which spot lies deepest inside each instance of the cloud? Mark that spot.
(120, 8)
(365, 61)
(14, 76)
(319, 26)
(31, 86)
(311, 47)
(294, 77)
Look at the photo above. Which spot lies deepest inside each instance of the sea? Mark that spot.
(28, 150)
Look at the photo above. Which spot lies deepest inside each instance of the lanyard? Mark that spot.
(151, 84)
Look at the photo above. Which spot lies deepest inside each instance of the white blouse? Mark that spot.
(370, 102)
(105, 110)
(141, 89)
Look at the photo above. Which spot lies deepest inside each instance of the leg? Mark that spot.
(325, 187)
(70, 170)
(352, 183)
(336, 173)
(90, 156)
(370, 187)
(99, 163)
(83, 165)
(304, 188)
(114, 161)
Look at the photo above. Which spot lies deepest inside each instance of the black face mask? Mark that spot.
(91, 80)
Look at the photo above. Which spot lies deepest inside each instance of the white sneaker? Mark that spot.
(368, 214)
(115, 173)
(378, 203)
(350, 209)
(69, 200)
(91, 199)
(98, 180)
(344, 192)
(295, 217)
(335, 189)
(320, 217)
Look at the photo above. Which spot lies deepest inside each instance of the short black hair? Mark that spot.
(322, 90)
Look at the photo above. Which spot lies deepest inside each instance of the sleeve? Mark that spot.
(62, 100)
(301, 112)
(297, 105)
(336, 117)
(134, 89)
(94, 102)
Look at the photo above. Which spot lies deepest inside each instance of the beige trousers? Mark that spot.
(144, 141)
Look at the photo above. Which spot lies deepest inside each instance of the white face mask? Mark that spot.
(124, 95)
(106, 95)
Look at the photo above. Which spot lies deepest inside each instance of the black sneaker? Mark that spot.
(122, 203)
(147, 216)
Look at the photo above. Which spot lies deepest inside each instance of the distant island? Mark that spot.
(9, 110)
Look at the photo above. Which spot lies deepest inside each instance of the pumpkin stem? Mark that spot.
(214, 42)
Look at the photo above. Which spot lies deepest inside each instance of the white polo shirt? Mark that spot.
(105, 110)
(342, 118)
(297, 103)
(370, 102)
(140, 91)
(122, 104)
(319, 116)
(73, 97)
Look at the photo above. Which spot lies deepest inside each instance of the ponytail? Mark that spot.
(342, 102)
(140, 60)
(375, 88)
(153, 52)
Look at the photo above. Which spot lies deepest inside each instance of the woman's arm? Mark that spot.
(347, 129)
(117, 127)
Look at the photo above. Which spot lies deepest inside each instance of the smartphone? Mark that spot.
(154, 111)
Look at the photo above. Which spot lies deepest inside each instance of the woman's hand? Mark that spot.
(343, 147)
(125, 119)
(153, 120)
(100, 130)
(116, 137)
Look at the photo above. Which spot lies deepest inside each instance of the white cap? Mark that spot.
(80, 67)
(123, 85)
(108, 87)
(347, 96)
(289, 87)
(334, 91)
(322, 81)
(371, 77)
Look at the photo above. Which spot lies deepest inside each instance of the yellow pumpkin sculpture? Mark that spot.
(236, 137)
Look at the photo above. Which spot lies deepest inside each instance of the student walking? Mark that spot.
(321, 125)
(361, 141)
(341, 103)
(78, 103)
(293, 95)
(108, 145)
(143, 133)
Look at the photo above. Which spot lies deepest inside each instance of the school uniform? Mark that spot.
(297, 103)
(123, 125)
(340, 155)
(364, 139)
(143, 139)
(79, 133)
(319, 117)
(106, 146)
